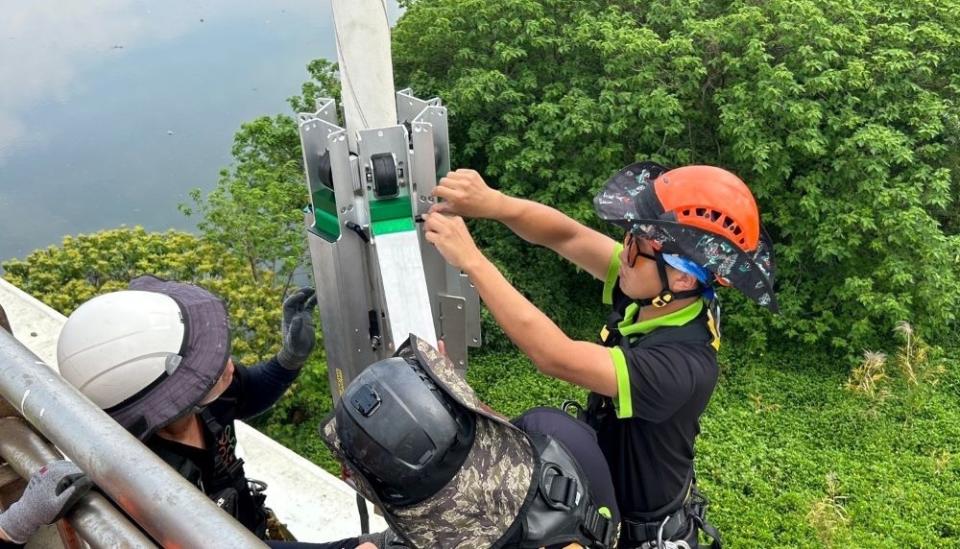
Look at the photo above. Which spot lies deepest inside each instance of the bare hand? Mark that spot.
(466, 193)
(452, 238)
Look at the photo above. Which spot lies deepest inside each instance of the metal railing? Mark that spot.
(94, 518)
(171, 510)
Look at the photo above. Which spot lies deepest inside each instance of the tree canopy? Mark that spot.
(841, 115)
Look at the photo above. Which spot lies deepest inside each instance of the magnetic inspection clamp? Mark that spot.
(377, 278)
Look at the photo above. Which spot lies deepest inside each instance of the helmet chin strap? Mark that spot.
(666, 295)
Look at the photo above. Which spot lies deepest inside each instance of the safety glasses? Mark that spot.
(632, 245)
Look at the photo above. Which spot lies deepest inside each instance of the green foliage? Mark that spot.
(790, 458)
(324, 82)
(88, 265)
(840, 114)
(255, 210)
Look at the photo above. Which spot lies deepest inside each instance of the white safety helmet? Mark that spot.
(148, 355)
(118, 344)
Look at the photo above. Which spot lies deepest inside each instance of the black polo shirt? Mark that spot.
(663, 388)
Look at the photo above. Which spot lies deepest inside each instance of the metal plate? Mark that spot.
(409, 106)
(474, 337)
(343, 305)
(423, 175)
(453, 314)
(431, 153)
(339, 263)
(318, 131)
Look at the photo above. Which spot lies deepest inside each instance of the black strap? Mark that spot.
(598, 527)
(186, 467)
(638, 532)
(666, 295)
(364, 515)
(694, 510)
(562, 491)
(640, 527)
(695, 331)
(698, 513)
(710, 530)
(227, 467)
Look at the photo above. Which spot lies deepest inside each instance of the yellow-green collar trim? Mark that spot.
(613, 271)
(680, 317)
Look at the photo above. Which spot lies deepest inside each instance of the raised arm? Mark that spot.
(553, 352)
(465, 193)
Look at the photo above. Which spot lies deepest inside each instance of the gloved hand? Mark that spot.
(51, 492)
(382, 540)
(299, 336)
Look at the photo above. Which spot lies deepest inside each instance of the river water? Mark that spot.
(112, 110)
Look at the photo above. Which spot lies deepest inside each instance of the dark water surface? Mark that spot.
(112, 110)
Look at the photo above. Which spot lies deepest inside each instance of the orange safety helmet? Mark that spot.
(703, 213)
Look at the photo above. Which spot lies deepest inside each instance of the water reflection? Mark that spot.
(111, 110)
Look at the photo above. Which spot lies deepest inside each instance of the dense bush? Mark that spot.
(840, 114)
(92, 264)
(788, 455)
(791, 458)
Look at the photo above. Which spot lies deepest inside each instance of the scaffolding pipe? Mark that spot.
(94, 518)
(168, 507)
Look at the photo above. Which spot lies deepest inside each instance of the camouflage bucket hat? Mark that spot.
(480, 505)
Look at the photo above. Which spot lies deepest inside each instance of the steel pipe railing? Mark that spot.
(163, 503)
(94, 518)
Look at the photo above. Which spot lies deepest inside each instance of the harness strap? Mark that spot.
(698, 513)
(227, 467)
(562, 491)
(668, 528)
(664, 534)
(698, 330)
(598, 527)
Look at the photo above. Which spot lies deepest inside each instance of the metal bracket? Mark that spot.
(380, 141)
(453, 312)
(474, 337)
(371, 194)
(321, 136)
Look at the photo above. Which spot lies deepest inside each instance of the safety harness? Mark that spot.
(562, 509)
(673, 526)
(228, 485)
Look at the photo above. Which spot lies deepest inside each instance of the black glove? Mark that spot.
(383, 540)
(297, 332)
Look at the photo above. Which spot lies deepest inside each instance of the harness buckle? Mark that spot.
(560, 491)
(599, 527)
(662, 300)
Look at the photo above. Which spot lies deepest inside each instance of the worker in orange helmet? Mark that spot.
(654, 368)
